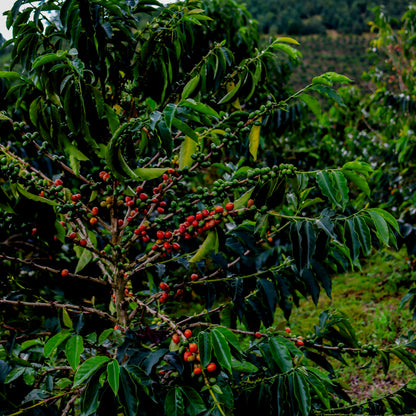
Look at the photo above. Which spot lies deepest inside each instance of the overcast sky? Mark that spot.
(5, 5)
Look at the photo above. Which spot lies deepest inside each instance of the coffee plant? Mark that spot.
(153, 240)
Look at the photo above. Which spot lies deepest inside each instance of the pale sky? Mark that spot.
(5, 5)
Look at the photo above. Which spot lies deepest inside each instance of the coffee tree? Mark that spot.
(148, 230)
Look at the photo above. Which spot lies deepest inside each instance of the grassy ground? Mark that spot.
(370, 298)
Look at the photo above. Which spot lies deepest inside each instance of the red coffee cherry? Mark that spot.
(219, 209)
(176, 338)
(160, 235)
(188, 333)
(211, 367)
(287, 329)
(143, 197)
(257, 335)
(83, 243)
(229, 206)
(58, 182)
(64, 272)
(194, 276)
(94, 211)
(163, 286)
(197, 370)
(193, 347)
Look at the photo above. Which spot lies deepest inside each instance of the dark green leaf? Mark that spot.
(174, 402)
(221, 349)
(51, 346)
(88, 368)
(280, 354)
(73, 350)
(113, 375)
(205, 347)
(302, 393)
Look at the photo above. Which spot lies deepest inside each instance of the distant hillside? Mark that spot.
(305, 17)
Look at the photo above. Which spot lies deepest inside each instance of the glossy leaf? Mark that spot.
(113, 375)
(51, 346)
(128, 393)
(363, 232)
(210, 244)
(302, 393)
(382, 229)
(205, 347)
(254, 140)
(280, 354)
(174, 402)
(221, 349)
(188, 148)
(190, 87)
(88, 368)
(194, 403)
(73, 350)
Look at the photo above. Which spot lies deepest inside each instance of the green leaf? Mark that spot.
(189, 88)
(233, 89)
(128, 393)
(84, 257)
(205, 347)
(312, 103)
(174, 405)
(243, 366)
(66, 319)
(363, 232)
(328, 92)
(184, 128)
(90, 396)
(194, 403)
(9, 75)
(168, 114)
(289, 50)
(73, 350)
(302, 393)
(51, 346)
(381, 226)
(200, 107)
(230, 337)
(359, 181)
(287, 40)
(361, 167)
(188, 148)
(104, 335)
(113, 375)
(221, 349)
(387, 216)
(88, 368)
(333, 185)
(329, 78)
(254, 140)
(280, 354)
(319, 387)
(351, 239)
(47, 58)
(34, 197)
(210, 244)
(242, 201)
(4, 117)
(14, 374)
(149, 173)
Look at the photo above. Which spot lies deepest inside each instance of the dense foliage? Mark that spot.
(317, 16)
(159, 217)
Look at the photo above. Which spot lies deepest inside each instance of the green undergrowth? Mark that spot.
(370, 297)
